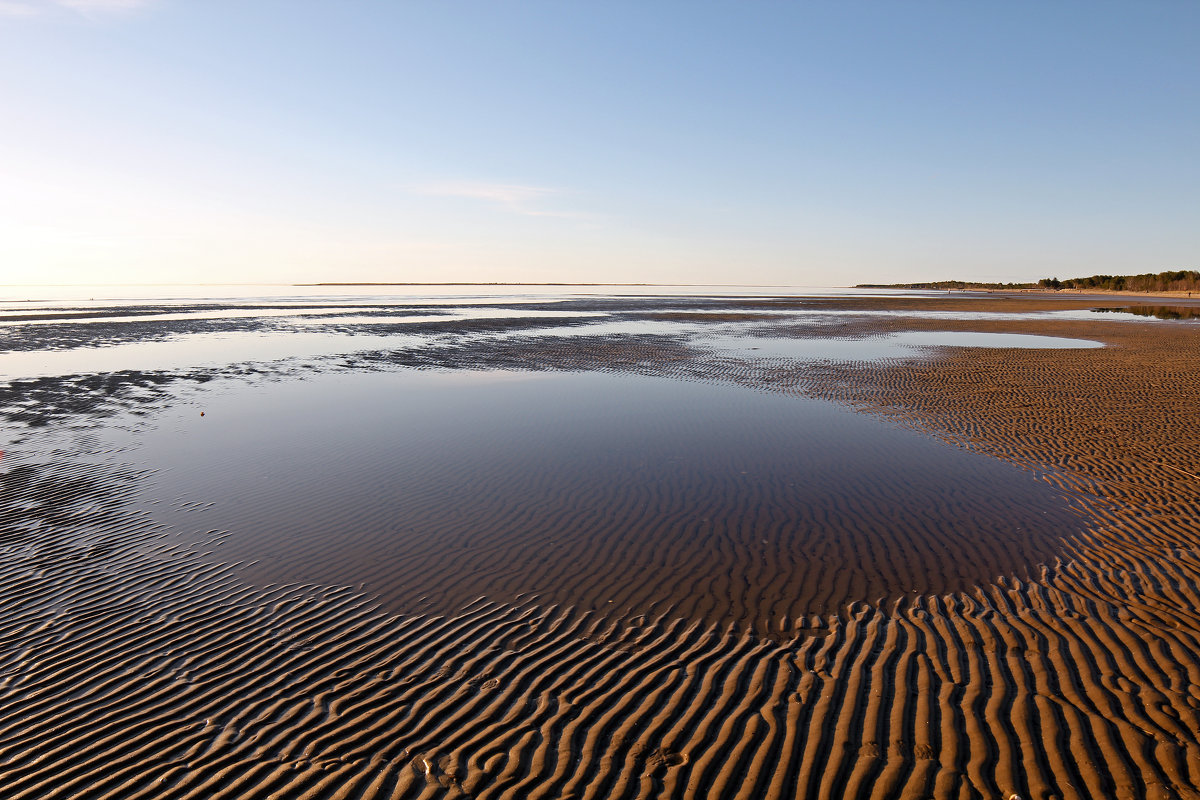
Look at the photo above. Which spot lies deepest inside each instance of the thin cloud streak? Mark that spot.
(104, 5)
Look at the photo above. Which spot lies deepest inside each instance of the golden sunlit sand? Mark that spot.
(1048, 645)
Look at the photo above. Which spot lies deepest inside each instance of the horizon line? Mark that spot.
(542, 283)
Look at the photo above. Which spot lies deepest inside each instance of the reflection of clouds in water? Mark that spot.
(457, 314)
(869, 348)
(186, 351)
(428, 294)
(1025, 341)
(628, 327)
(79, 317)
(204, 337)
(965, 316)
(303, 316)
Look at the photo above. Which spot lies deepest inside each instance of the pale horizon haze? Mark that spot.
(805, 144)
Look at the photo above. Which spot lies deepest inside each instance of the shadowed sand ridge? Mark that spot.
(137, 660)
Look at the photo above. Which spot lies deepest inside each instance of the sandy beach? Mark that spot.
(745, 547)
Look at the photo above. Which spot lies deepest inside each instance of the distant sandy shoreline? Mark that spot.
(1086, 293)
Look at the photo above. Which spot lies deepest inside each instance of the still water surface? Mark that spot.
(431, 488)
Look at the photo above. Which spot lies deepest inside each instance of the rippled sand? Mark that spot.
(524, 557)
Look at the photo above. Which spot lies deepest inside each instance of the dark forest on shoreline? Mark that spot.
(1169, 281)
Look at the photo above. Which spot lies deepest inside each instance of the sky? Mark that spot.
(803, 143)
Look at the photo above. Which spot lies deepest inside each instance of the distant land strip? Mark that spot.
(552, 283)
(1170, 281)
(467, 283)
(966, 285)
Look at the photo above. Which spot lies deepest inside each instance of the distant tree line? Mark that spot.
(1183, 280)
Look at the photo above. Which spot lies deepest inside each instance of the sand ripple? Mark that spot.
(134, 665)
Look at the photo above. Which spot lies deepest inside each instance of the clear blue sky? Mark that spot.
(824, 143)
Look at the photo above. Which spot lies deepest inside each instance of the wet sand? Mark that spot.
(1009, 603)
